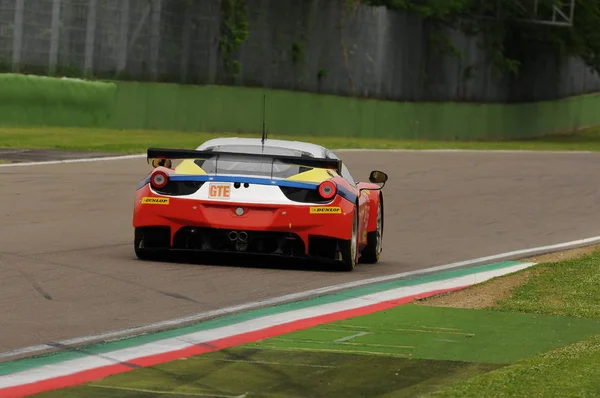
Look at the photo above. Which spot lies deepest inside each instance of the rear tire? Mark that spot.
(372, 252)
(349, 248)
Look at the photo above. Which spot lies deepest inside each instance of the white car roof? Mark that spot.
(316, 151)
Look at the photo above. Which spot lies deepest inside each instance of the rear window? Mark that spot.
(259, 149)
(231, 166)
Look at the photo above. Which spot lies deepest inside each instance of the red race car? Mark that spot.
(245, 195)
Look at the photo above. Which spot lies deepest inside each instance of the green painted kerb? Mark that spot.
(19, 365)
(43, 101)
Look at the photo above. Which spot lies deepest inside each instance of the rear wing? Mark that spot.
(181, 154)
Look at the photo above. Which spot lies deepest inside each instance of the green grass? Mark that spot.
(438, 333)
(568, 288)
(571, 371)
(137, 141)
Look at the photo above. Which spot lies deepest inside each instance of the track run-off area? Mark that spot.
(68, 270)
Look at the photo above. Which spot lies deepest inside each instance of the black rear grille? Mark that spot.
(303, 195)
(320, 246)
(179, 188)
(257, 242)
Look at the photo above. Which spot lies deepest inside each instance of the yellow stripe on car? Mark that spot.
(189, 167)
(314, 175)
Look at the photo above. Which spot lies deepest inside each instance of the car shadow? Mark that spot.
(244, 260)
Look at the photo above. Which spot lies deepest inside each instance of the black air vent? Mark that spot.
(180, 188)
(303, 195)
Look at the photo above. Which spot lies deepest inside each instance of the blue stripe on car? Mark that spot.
(346, 194)
(143, 183)
(249, 180)
(343, 192)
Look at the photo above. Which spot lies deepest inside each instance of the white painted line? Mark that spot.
(347, 338)
(79, 160)
(292, 297)
(140, 156)
(171, 344)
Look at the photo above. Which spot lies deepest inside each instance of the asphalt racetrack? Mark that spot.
(67, 266)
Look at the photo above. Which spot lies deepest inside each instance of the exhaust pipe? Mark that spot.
(233, 236)
(243, 236)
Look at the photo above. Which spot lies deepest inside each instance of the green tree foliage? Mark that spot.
(234, 31)
(584, 39)
(504, 28)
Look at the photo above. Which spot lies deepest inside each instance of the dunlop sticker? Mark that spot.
(155, 201)
(325, 210)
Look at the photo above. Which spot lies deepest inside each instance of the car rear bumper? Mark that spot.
(284, 230)
(211, 241)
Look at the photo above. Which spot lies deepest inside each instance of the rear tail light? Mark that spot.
(159, 179)
(327, 190)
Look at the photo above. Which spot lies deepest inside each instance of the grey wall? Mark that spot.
(362, 51)
(365, 51)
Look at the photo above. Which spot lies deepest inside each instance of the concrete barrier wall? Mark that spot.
(26, 100)
(231, 109)
(338, 47)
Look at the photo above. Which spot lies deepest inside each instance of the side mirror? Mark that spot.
(162, 162)
(378, 177)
